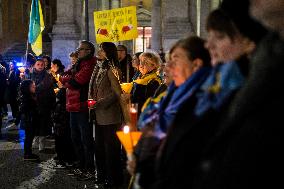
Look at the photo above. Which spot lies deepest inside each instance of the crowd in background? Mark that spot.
(209, 111)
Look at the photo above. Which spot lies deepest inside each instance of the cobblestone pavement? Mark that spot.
(15, 173)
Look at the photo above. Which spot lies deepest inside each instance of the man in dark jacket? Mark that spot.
(76, 80)
(14, 81)
(2, 91)
(125, 64)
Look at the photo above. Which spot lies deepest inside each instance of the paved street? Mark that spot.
(18, 174)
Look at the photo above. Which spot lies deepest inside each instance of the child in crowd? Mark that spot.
(28, 112)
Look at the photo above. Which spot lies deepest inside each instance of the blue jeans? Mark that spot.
(81, 134)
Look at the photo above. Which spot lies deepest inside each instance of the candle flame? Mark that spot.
(126, 129)
(133, 110)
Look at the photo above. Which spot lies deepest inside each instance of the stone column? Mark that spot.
(92, 8)
(156, 25)
(205, 11)
(115, 4)
(65, 33)
(177, 21)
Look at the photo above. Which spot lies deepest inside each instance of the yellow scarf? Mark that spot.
(154, 100)
(127, 87)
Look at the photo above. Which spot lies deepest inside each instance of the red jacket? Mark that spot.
(76, 80)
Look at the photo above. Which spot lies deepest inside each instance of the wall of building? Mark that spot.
(15, 22)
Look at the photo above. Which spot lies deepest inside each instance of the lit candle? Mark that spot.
(57, 77)
(133, 115)
(91, 103)
(126, 131)
(56, 90)
(128, 139)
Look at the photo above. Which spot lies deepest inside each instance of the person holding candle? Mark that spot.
(108, 114)
(190, 66)
(57, 68)
(145, 86)
(76, 80)
(46, 101)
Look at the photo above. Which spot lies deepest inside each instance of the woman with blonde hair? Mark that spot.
(148, 82)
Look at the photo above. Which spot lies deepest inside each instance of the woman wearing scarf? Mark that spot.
(197, 121)
(145, 86)
(190, 65)
(108, 114)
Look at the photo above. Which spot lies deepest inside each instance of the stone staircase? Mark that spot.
(18, 50)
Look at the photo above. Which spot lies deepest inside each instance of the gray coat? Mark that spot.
(106, 90)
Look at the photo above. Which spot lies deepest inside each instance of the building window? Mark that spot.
(143, 42)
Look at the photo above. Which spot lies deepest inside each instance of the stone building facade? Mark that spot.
(162, 21)
(14, 24)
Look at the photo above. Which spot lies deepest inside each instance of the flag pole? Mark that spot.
(27, 51)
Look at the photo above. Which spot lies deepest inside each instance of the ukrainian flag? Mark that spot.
(36, 27)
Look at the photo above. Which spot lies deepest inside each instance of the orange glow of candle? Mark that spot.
(128, 138)
(56, 90)
(133, 111)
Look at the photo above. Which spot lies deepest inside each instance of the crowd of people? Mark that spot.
(209, 111)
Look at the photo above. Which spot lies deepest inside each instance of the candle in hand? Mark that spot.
(91, 103)
(57, 77)
(133, 115)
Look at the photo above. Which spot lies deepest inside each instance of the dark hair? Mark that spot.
(49, 61)
(31, 60)
(25, 87)
(39, 60)
(61, 67)
(90, 45)
(73, 54)
(111, 52)
(194, 47)
(123, 47)
(238, 11)
(138, 54)
(218, 20)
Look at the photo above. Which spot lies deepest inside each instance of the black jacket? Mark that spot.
(187, 138)
(125, 65)
(60, 116)
(246, 152)
(28, 110)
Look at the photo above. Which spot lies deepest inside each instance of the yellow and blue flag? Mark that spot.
(36, 27)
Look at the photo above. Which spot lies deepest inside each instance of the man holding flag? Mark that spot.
(36, 27)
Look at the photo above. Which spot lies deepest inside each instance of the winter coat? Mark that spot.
(196, 123)
(28, 110)
(14, 82)
(76, 80)
(46, 100)
(3, 83)
(246, 151)
(60, 116)
(142, 88)
(105, 90)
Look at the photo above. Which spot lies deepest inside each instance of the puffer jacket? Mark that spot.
(76, 80)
